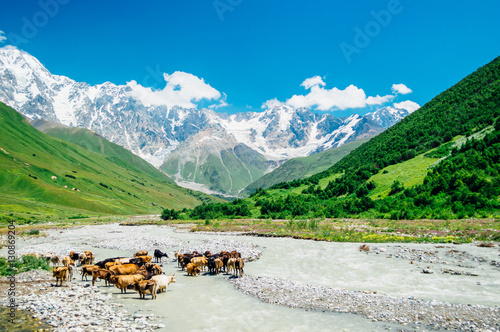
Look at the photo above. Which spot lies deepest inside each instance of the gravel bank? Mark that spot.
(53, 248)
(249, 251)
(109, 236)
(77, 307)
(373, 306)
(134, 242)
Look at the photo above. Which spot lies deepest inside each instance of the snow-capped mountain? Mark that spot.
(183, 140)
(387, 116)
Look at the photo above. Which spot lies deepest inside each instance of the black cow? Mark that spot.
(159, 255)
(211, 265)
(186, 259)
(107, 260)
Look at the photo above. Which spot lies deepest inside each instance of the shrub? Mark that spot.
(26, 263)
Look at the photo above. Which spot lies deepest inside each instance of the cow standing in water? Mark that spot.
(159, 255)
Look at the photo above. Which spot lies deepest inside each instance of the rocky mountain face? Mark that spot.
(387, 116)
(210, 151)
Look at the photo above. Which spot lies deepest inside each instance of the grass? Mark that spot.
(355, 230)
(410, 173)
(34, 184)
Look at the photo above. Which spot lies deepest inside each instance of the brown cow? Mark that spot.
(125, 269)
(123, 281)
(101, 274)
(218, 265)
(231, 265)
(235, 254)
(87, 270)
(145, 258)
(66, 261)
(61, 274)
(238, 266)
(108, 265)
(192, 270)
(90, 258)
(146, 287)
(153, 268)
(141, 253)
(179, 259)
(200, 262)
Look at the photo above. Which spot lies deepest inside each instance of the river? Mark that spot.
(211, 303)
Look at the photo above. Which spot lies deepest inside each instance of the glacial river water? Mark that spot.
(211, 303)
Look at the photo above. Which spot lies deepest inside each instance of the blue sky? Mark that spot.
(252, 52)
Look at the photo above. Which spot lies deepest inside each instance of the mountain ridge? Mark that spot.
(154, 133)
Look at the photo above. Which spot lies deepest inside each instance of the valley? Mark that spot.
(249, 166)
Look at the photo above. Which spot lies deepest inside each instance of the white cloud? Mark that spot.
(401, 89)
(2, 36)
(310, 82)
(408, 105)
(271, 103)
(328, 99)
(221, 103)
(182, 89)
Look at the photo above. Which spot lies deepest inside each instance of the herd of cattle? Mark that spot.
(138, 272)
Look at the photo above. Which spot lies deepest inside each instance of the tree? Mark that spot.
(169, 214)
(396, 187)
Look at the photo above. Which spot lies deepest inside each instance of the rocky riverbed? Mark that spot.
(113, 236)
(75, 307)
(441, 259)
(405, 311)
(54, 248)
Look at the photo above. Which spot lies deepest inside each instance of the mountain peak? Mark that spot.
(387, 116)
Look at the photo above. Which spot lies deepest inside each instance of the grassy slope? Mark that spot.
(412, 172)
(29, 158)
(299, 168)
(92, 141)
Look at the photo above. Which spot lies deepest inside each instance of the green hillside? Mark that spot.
(41, 176)
(94, 142)
(227, 171)
(299, 168)
(442, 161)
